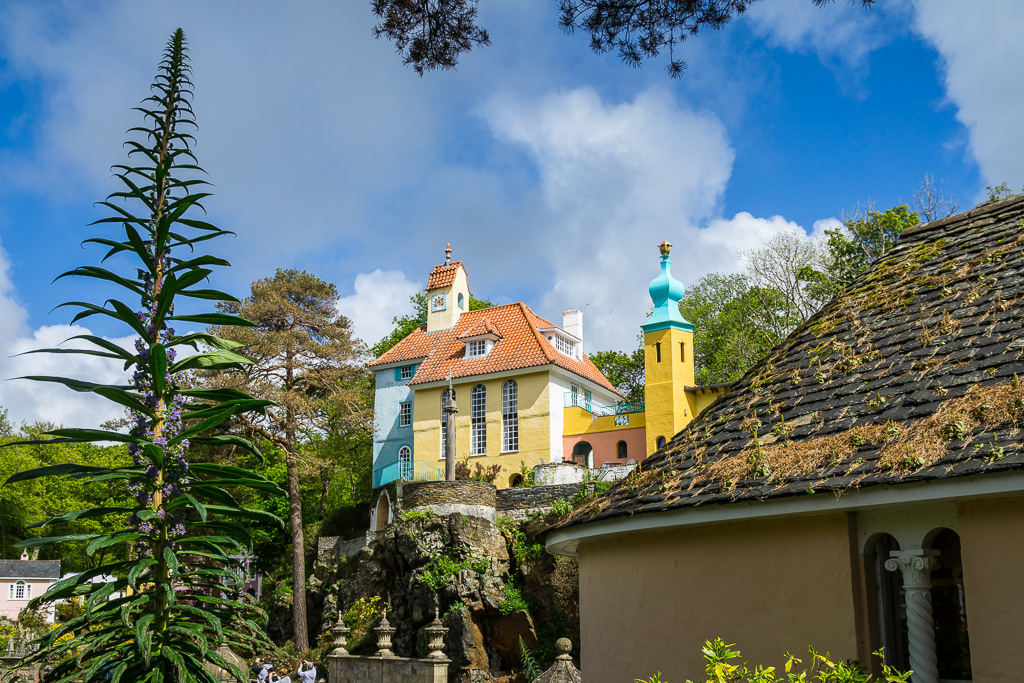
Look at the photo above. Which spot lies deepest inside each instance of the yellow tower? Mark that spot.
(668, 359)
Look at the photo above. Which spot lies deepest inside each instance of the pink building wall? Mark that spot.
(11, 607)
(605, 445)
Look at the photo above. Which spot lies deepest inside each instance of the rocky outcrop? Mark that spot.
(489, 590)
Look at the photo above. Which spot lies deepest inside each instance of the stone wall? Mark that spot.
(520, 503)
(349, 669)
(431, 493)
(570, 473)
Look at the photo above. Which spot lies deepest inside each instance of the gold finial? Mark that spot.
(665, 248)
(448, 253)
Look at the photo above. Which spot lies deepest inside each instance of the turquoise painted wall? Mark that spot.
(390, 392)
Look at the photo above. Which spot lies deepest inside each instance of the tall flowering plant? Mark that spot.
(163, 612)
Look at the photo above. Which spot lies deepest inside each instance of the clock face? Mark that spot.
(438, 302)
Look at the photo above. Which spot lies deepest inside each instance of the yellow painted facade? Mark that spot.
(668, 364)
(577, 420)
(534, 410)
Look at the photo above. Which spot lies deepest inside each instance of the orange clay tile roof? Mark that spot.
(482, 327)
(521, 346)
(443, 275)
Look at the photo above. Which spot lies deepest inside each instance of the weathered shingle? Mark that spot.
(29, 569)
(911, 373)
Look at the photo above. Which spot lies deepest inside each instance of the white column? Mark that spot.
(916, 568)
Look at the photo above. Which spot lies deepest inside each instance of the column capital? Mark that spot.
(914, 565)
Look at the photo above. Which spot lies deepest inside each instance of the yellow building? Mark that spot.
(510, 370)
(526, 393)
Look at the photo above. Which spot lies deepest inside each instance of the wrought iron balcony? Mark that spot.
(582, 401)
(409, 470)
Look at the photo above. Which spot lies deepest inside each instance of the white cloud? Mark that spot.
(44, 401)
(839, 33)
(379, 297)
(982, 53)
(616, 180)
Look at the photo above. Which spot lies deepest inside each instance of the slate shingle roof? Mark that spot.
(30, 569)
(520, 346)
(909, 374)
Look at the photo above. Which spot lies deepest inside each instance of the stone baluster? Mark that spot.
(435, 637)
(384, 633)
(341, 634)
(916, 568)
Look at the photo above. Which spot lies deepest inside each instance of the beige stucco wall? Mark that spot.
(992, 550)
(648, 602)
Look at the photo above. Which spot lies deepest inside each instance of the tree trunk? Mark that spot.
(301, 637)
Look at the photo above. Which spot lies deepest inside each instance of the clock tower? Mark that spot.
(447, 294)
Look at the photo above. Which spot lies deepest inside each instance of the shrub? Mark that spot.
(514, 600)
(361, 617)
(820, 668)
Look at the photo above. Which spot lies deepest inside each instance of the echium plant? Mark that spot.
(160, 614)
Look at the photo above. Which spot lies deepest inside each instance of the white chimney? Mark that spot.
(572, 322)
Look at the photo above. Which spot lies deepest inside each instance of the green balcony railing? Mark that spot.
(582, 401)
(414, 470)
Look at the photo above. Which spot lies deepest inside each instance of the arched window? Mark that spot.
(444, 420)
(19, 591)
(509, 416)
(405, 457)
(462, 301)
(478, 421)
(621, 450)
(660, 442)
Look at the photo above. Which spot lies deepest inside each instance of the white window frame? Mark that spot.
(476, 348)
(404, 414)
(405, 372)
(478, 421)
(510, 416)
(23, 587)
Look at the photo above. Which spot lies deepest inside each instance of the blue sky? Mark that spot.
(552, 171)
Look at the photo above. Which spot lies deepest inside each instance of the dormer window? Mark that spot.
(564, 346)
(477, 348)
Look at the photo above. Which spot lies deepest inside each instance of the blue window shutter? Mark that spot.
(398, 374)
(414, 369)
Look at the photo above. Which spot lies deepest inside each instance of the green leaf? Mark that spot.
(88, 513)
(214, 360)
(195, 338)
(107, 540)
(214, 319)
(158, 368)
(47, 540)
(54, 470)
(86, 435)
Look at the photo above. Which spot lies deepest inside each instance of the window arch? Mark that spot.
(19, 590)
(444, 420)
(462, 301)
(582, 453)
(621, 450)
(660, 442)
(478, 421)
(405, 458)
(509, 416)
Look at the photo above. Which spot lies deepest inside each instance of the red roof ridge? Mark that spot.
(529, 315)
(484, 325)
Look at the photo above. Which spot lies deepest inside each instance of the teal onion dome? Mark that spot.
(666, 291)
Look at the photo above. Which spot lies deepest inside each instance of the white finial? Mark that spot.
(448, 253)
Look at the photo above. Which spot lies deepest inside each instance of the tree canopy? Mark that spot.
(305, 359)
(433, 34)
